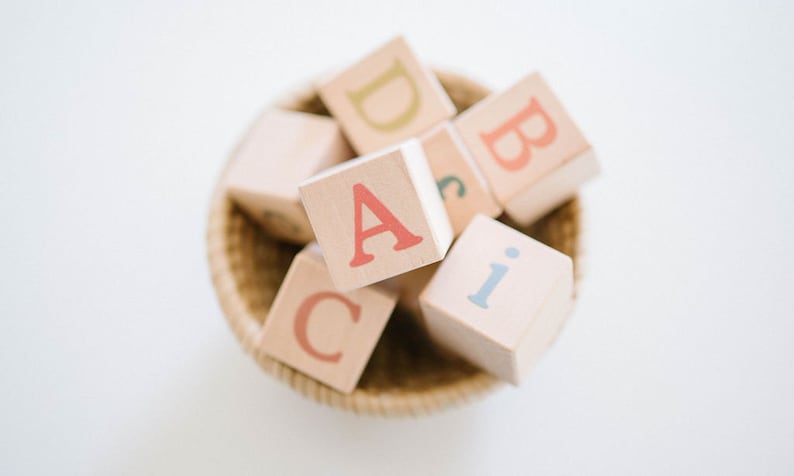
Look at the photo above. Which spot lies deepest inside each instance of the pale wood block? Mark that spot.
(498, 299)
(320, 331)
(282, 149)
(386, 97)
(377, 216)
(519, 137)
(554, 189)
(462, 186)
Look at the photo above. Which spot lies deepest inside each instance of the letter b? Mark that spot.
(514, 125)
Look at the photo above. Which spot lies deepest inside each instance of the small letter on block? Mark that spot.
(385, 98)
(377, 216)
(529, 149)
(321, 332)
(499, 298)
(462, 187)
(281, 150)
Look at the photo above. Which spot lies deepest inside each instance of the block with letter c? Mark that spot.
(326, 334)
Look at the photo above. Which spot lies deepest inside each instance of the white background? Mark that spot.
(115, 358)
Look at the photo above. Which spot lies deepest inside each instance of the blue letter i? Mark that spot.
(498, 271)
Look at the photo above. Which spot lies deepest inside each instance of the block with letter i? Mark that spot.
(529, 149)
(281, 150)
(462, 186)
(324, 333)
(498, 299)
(386, 97)
(377, 216)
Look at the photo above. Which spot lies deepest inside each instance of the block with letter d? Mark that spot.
(529, 149)
(386, 97)
(377, 216)
(498, 299)
(320, 331)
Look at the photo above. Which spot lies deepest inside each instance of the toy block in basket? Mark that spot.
(320, 331)
(498, 298)
(472, 315)
(529, 149)
(385, 98)
(377, 216)
(459, 180)
(282, 149)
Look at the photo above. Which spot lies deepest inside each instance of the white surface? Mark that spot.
(115, 359)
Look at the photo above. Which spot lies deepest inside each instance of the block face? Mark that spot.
(279, 217)
(554, 189)
(519, 136)
(377, 216)
(498, 298)
(386, 97)
(462, 186)
(281, 150)
(321, 332)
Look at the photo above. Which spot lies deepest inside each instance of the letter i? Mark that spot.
(498, 271)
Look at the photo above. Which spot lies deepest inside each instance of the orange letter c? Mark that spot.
(302, 322)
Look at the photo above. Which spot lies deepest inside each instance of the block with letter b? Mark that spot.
(498, 299)
(320, 331)
(385, 98)
(529, 149)
(377, 216)
(462, 186)
(281, 150)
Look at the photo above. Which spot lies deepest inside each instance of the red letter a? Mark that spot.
(405, 239)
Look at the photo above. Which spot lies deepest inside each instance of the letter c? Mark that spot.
(301, 323)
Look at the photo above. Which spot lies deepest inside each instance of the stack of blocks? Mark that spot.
(384, 222)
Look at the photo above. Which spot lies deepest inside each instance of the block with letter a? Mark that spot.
(281, 150)
(320, 331)
(386, 97)
(462, 186)
(498, 299)
(377, 216)
(529, 149)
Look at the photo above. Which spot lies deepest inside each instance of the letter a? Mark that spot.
(405, 239)
(514, 125)
(301, 323)
(359, 96)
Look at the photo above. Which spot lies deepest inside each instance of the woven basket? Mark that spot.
(407, 374)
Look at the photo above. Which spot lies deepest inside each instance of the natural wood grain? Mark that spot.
(386, 97)
(520, 136)
(498, 299)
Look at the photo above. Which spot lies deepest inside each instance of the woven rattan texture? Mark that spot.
(406, 375)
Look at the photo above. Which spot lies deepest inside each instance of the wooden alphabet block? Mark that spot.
(462, 186)
(528, 148)
(377, 216)
(385, 98)
(498, 299)
(283, 149)
(320, 331)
